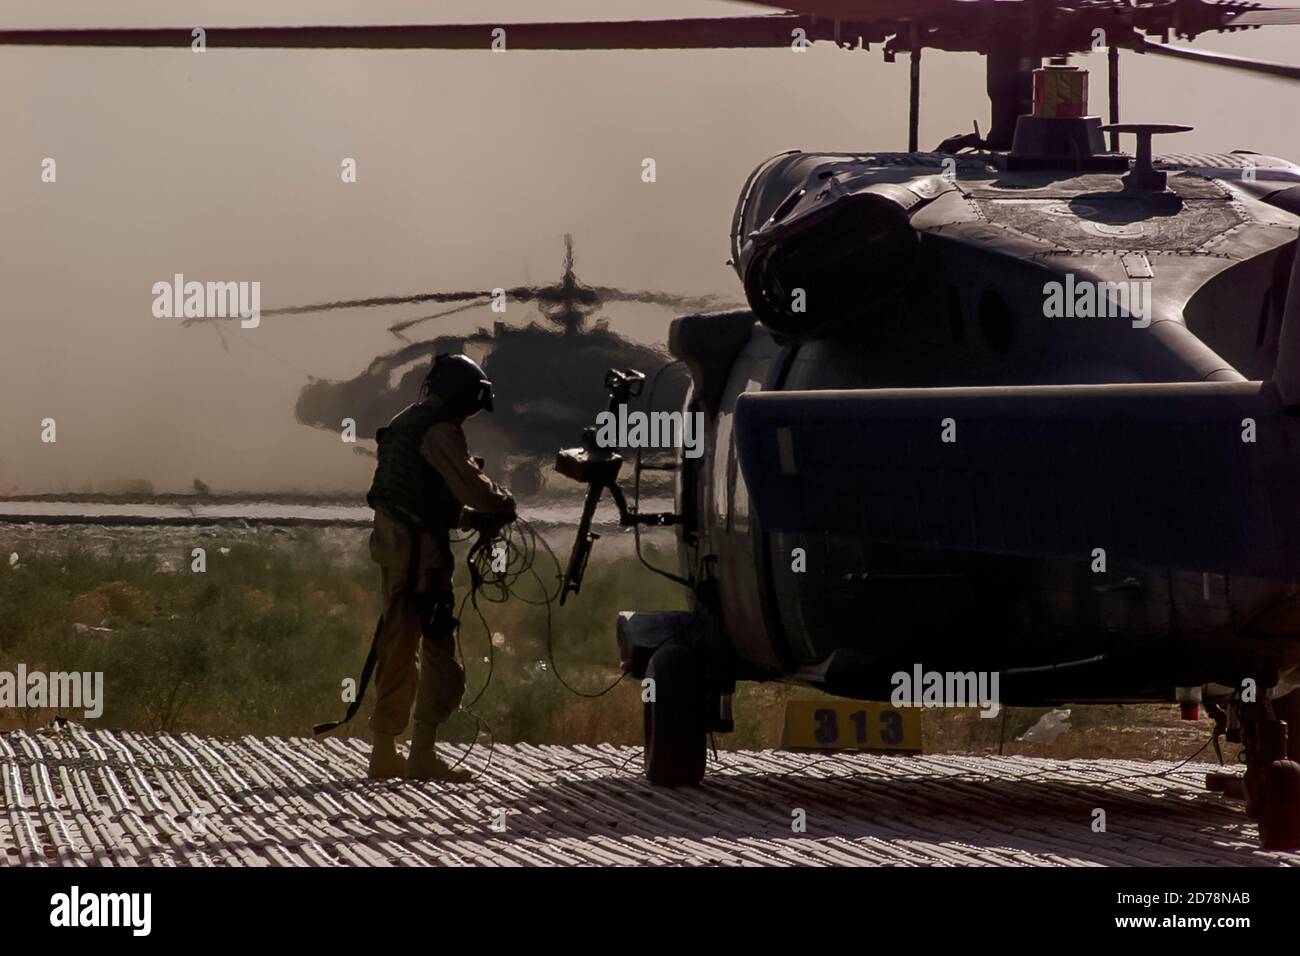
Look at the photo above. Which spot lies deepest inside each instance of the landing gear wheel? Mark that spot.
(675, 721)
(1279, 806)
(1288, 709)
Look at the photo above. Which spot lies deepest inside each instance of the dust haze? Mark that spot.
(470, 168)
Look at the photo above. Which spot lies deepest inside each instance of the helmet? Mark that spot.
(460, 383)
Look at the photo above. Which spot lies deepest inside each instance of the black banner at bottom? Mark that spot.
(335, 906)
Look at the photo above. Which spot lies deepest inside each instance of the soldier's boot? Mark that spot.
(425, 764)
(385, 762)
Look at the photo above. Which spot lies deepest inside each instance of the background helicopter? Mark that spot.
(546, 374)
(924, 275)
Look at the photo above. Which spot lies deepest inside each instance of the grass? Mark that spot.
(262, 641)
(247, 646)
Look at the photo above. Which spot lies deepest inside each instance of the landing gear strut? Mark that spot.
(1271, 786)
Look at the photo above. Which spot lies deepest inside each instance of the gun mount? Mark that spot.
(598, 468)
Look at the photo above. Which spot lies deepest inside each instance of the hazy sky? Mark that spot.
(471, 165)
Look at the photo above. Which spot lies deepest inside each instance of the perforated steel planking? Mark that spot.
(77, 797)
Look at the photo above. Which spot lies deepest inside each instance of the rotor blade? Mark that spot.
(1268, 16)
(875, 11)
(696, 33)
(379, 301)
(399, 327)
(687, 303)
(1245, 64)
(864, 11)
(527, 293)
(515, 294)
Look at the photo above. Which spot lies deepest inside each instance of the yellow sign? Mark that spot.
(851, 725)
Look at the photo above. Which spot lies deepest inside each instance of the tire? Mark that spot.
(1279, 818)
(1288, 709)
(675, 722)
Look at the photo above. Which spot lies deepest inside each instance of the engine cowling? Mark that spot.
(818, 240)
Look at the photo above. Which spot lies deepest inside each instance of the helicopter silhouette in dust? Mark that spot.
(546, 373)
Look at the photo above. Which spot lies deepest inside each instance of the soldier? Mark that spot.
(425, 484)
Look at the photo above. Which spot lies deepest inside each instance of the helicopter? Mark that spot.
(546, 371)
(909, 458)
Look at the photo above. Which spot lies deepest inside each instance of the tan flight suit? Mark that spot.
(437, 684)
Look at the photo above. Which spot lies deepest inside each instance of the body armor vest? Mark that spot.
(405, 484)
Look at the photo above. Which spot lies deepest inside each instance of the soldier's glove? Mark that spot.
(489, 523)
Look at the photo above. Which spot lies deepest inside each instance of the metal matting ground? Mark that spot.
(78, 797)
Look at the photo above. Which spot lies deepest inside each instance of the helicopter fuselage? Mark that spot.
(843, 609)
